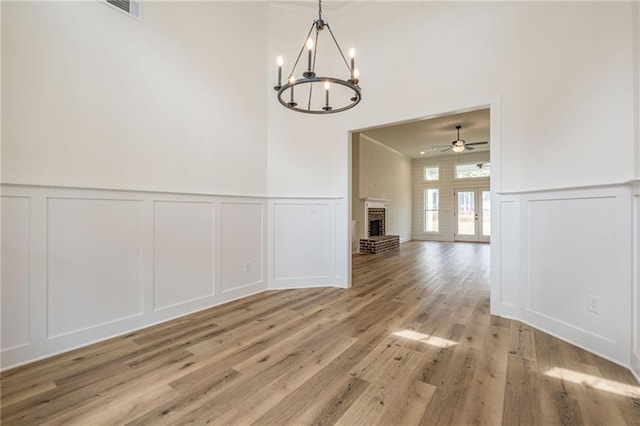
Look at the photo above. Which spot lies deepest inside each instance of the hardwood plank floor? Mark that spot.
(411, 343)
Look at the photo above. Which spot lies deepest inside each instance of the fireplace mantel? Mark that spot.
(379, 202)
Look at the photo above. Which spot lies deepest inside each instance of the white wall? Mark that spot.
(446, 185)
(635, 358)
(385, 174)
(93, 98)
(636, 73)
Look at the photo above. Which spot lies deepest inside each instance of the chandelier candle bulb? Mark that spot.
(352, 55)
(326, 94)
(291, 81)
(280, 62)
(310, 49)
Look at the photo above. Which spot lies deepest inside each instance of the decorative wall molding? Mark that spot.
(184, 242)
(633, 183)
(552, 250)
(289, 243)
(304, 242)
(82, 265)
(16, 271)
(505, 261)
(635, 290)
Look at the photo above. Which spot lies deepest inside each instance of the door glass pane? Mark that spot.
(466, 213)
(486, 213)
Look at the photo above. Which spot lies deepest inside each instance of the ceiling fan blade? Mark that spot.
(447, 149)
(468, 148)
(477, 143)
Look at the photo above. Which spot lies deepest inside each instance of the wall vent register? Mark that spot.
(128, 7)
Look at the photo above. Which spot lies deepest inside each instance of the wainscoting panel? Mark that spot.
(577, 249)
(509, 259)
(84, 265)
(302, 239)
(94, 263)
(635, 324)
(183, 254)
(341, 236)
(242, 245)
(16, 216)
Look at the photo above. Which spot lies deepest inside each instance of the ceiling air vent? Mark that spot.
(128, 7)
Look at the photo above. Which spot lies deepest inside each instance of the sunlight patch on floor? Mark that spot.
(594, 382)
(425, 338)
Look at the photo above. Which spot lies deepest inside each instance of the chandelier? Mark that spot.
(345, 94)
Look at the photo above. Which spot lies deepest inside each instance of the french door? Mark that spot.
(472, 214)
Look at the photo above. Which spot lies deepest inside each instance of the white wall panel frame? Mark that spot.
(179, 263)
(16, 271)
(239, 222)
(342, 240)
(635, 320)
(94, 247)
(545, 279)
(302, 242)
(505, 255)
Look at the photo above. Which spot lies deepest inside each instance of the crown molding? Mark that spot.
(377, 142)
(333, 8)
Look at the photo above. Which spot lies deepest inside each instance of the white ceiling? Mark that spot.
(335, 7)
(428, 135)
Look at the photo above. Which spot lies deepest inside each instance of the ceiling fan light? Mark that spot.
(458, 148)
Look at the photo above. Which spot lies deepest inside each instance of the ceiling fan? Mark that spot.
(459, 145)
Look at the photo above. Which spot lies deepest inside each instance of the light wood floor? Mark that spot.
(411, 343)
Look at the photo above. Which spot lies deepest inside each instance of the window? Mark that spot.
(431, 206)
(432, 173)
(473, 170)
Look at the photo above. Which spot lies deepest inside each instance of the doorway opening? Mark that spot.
(436, 203)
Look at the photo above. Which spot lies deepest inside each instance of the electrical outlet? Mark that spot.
(247, 266)
(594, 304)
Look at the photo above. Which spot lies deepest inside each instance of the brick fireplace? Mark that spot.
(375, 228)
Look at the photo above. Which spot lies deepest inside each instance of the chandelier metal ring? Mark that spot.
(357, 94)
